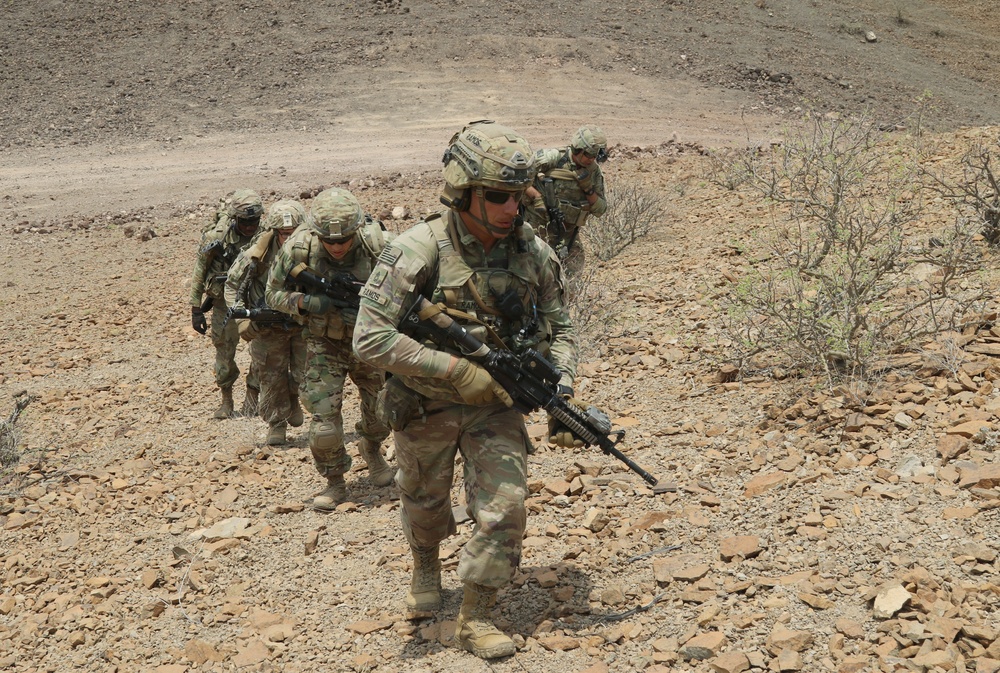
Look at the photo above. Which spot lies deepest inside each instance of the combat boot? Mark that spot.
(276, 434)
(250, 402)
(425, 585)
(225, 409)
(334, 493)
(296, 418)
(378, 470)
(474, 630)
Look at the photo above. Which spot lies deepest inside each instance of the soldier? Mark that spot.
(338, 237)
(220, 243)
(277, 350)
(478, 262)
(569, 186)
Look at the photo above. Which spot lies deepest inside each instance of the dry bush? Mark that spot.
(976, 193)
(10, 442)
(836, 284)
(632, 213)
(591, 307)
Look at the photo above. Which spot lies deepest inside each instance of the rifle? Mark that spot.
(531, 381)
(259, 314)
(342, 287)
(557, 221)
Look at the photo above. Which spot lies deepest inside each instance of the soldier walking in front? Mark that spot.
(487, 270)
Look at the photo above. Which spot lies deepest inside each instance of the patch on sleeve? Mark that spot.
(378, 276)
(390, 255)
(373, 295)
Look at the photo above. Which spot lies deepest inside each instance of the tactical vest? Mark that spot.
(222, 258)
(572, 201)
(369, 242)
(496, 303)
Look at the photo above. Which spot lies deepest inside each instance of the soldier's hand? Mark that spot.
(248, 329)
(559, 434)
(476, 386)
(198, 322)
(317, 304)
(585, 180)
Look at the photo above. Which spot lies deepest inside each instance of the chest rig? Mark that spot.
(368, 243)
(496, 300)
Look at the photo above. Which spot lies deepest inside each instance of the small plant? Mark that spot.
(977, 192)
(632, 212)
(836, 284)
(901, 19)
(591, 308)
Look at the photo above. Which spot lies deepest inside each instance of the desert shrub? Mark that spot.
(835, 283)
(632, 212)
(976, 193)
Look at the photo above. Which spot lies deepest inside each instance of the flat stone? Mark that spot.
(890, 600)
(730, 662)
(762, 483)
(704, 646)
(742, 546)
(783, 638)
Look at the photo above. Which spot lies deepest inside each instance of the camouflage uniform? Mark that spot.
(329, 359)
(220, 244)
(500, 290)
(559, 166)
(277, 349)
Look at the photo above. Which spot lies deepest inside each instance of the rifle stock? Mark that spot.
(531, 381)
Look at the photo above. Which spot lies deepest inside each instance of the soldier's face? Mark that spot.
(581, 159)
(284, 235)
(338, 249)
(500, 207)
(247, 226)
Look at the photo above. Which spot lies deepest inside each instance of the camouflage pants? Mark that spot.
(278, 357)
(493, 442)
(225, 342)
(328, 364)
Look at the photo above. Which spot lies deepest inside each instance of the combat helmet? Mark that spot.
(591, 141)
(246, 205)
(335, 214)
(485, 154)
(285, 215)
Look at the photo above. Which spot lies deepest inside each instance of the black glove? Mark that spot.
(198, 320)
(317, 304)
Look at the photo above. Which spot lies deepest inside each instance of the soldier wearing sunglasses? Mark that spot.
(337, 237)
(569, 181)
(477, 262)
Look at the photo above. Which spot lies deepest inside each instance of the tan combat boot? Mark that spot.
(425, 585)
(474, 630)
(296, 418)
(378, 470)
(250, 402)
(276, 434)
(225, 409)
(334, 493)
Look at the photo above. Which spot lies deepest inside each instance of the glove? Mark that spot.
(476, 386)
(559, 434)
(585, 180)
(317, 304)
(198, 320)
(248, 329)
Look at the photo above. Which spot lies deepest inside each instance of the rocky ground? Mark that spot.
(801, 527)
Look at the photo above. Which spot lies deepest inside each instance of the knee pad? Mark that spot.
(325, 435)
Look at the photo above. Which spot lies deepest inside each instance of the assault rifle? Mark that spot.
(342, 287)
(262, 315)
(557, 221)
(531, 381)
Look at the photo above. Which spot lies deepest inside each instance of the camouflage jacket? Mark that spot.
(558, 165)
(219, 246)
(248, 274)
(439, 259)
(283, 294)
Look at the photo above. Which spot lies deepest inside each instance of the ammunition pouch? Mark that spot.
(397, 405)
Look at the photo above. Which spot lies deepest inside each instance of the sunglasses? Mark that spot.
(248, 221)
(501, 197)
(335, 241)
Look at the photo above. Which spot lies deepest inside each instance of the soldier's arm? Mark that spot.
(564, 350)
(389, 292)
(237, 273)
(276, 294)
(198, 276)
(599, 204)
